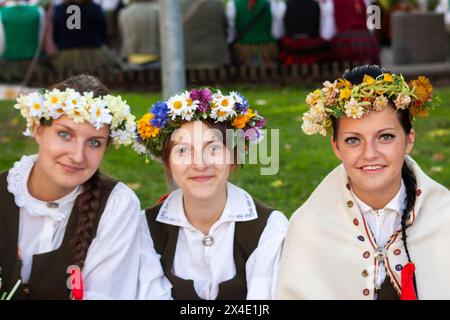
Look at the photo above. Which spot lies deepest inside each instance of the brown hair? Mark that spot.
(88, 201)
(168, 145)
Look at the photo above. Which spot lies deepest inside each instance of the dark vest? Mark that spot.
(48, 278)
(246, 238)
(387, 291)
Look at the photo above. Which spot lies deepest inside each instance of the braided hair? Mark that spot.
(356, 76)
(88, 201)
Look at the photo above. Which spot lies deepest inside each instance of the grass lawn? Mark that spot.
(303, 163)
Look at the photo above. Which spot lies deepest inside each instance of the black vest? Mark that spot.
(48, 278)
(246, 238)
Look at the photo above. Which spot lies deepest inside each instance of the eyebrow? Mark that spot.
(381, 130)
(72, 130)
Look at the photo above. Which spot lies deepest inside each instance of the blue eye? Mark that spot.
(387, 137)
(215, 148)
(94, 143)
(351, 140)
(64, 134)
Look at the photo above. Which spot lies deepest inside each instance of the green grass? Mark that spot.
(304, 161)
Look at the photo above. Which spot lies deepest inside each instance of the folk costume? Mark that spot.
(337, 246)
(36, 249)
(238, 259)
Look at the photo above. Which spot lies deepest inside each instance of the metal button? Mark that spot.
(366, 255)
(398, 267)
(348, 186)
(52, 205)
(208, 241)
(380, 254)
(365, 273)
(349, 203)
(366, 292)
(355, 222)
(397, 252)
(360, 238)
(418, 192)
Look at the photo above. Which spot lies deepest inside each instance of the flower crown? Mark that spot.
(110, 110)
(341, 98)
(200, 104)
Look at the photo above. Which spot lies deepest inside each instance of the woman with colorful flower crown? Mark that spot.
(66, 230)
(215, 240)
(377, 227)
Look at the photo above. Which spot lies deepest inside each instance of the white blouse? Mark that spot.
(277, 9)
(112, 261)
(383, 224)
(208, 266)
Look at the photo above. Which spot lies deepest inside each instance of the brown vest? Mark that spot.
(246, 238)
(49, 270)
(387, 291)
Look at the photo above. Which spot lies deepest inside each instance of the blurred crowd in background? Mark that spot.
(125, 34)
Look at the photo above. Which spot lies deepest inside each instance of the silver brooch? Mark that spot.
(52, 205)
(380, 254)
(208, 241)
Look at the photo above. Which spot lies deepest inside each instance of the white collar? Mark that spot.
(18, 185)
(397, 203)
(239, 207)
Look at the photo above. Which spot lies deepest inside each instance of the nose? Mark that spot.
(77, 154)
(370, 150)
(199, 161)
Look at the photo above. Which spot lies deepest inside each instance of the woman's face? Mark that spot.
(199, 162)
(69, 152)
(372, 150)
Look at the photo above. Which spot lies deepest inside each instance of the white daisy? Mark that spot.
(177, 104)
(35, 104)
(100, 114)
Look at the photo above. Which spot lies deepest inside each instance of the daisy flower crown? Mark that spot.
(233, 110)
(80, 107)
(342, 99)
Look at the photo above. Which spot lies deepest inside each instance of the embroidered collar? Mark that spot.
(239, 207)
(397, 203)
(17, 184)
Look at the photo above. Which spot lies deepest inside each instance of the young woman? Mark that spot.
(67, 231)
(215, 240)
(377, 227)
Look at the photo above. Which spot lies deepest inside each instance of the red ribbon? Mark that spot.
(408, 290)
(77, 284)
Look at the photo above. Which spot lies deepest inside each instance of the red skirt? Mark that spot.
(304, 51)
(356, 46)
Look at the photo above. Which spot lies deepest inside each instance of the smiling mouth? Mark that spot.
(373, 168)
(71, 169)
(201, 178)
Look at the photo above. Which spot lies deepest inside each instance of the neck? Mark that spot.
(377, 200)
(203, 213)
(41, 187)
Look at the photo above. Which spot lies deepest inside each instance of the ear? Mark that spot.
(410, 141)
(37, 132)
(335, 148)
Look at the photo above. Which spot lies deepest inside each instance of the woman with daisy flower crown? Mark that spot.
(215, 240)
(66, 230)
(377, 227)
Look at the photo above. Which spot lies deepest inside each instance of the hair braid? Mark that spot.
(410, 184)
(88, 205)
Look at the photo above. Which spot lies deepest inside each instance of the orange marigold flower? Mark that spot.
(423, 89)
(240, 121)
(145, 128)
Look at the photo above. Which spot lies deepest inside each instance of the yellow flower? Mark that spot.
(250, 113)
(145, 128)
(240, 121)
(388, 77)
(368, 80)
(345, 93)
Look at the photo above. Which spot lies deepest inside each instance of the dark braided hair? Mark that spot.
(356, 76)
(88, 201)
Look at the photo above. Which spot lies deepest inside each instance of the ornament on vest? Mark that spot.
(408, 291)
